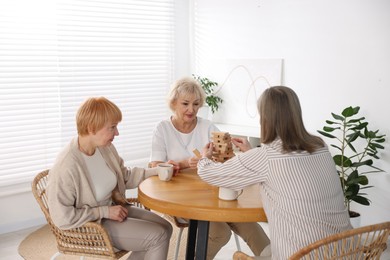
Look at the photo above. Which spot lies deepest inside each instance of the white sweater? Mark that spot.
(170, 144)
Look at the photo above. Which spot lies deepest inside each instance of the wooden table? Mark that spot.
(187, 196)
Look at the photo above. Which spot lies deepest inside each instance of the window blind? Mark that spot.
(55, 54)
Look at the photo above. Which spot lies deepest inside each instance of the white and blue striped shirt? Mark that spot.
(301, 192)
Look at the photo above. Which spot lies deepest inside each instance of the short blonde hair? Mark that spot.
(94, 113)
(185, 86)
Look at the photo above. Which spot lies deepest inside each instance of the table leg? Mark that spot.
(202, 238)
(198, 235)
(191, 239)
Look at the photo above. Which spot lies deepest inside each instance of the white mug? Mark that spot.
(165, 171)
(228, 194)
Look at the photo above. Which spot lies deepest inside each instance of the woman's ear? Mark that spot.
(173, 104)
(91, 131)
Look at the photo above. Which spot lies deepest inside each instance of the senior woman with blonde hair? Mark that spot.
(175, 139)
(86, 174)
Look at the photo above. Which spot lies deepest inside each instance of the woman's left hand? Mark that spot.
(117, 213)
(208, 150)
(176, 167)
(242, 144)
(193, 162)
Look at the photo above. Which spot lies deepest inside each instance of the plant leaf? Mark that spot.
(363, 180)
(368, 162)
(353, 175)
(350, 111)
(355, 120)
(337, 117)
(381, 140)
(360, 126)
(331, 122)
(352, 190)
(361, 200)
(330, 129)
(365, 187)
(335, 147)
(351, 146)
(326, 134)
(343, 161)
(352, 137)
(378, 146)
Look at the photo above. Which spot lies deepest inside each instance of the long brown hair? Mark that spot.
(281, 116)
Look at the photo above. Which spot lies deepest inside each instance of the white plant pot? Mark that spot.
(355, 221)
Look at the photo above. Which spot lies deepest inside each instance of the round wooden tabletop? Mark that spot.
(187, 196)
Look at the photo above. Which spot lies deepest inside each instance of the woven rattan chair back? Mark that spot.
(89, 240)
(362, 243)
(366, 242)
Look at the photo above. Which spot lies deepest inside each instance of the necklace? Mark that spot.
(187, 141)
(184, 143)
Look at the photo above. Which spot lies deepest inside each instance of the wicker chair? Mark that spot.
(89, 240)
(366, 242)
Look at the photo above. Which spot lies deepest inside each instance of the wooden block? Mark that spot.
(197, 153)
(223, 146)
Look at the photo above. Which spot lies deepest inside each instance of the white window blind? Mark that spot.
(55, 54)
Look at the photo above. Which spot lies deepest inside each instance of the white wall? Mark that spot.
(336, 54)
(18, 208)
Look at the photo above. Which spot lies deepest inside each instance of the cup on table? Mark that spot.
(165, 171)
(228, 194)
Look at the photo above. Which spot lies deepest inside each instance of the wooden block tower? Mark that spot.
(223, 146)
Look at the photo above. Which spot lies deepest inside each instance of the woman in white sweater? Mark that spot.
(86, 175)
(176, 138)
(301, 191)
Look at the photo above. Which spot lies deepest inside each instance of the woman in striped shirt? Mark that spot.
(301, 191)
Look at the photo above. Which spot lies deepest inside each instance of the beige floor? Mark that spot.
(9, 246)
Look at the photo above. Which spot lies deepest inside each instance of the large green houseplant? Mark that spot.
(212, 100)
(356, 149)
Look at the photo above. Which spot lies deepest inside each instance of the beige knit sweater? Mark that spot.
(70, 194)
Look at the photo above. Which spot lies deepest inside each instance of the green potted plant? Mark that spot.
(212, 100)
(356, 149)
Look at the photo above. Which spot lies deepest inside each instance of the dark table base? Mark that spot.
(197, 239)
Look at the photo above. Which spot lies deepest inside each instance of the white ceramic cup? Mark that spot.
(165, 171)
(228, 194)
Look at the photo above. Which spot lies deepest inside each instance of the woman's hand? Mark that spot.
(117, 213)
(117, 198)
(176, 167)
(241, 143)
(208, 150)
(193, 162)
